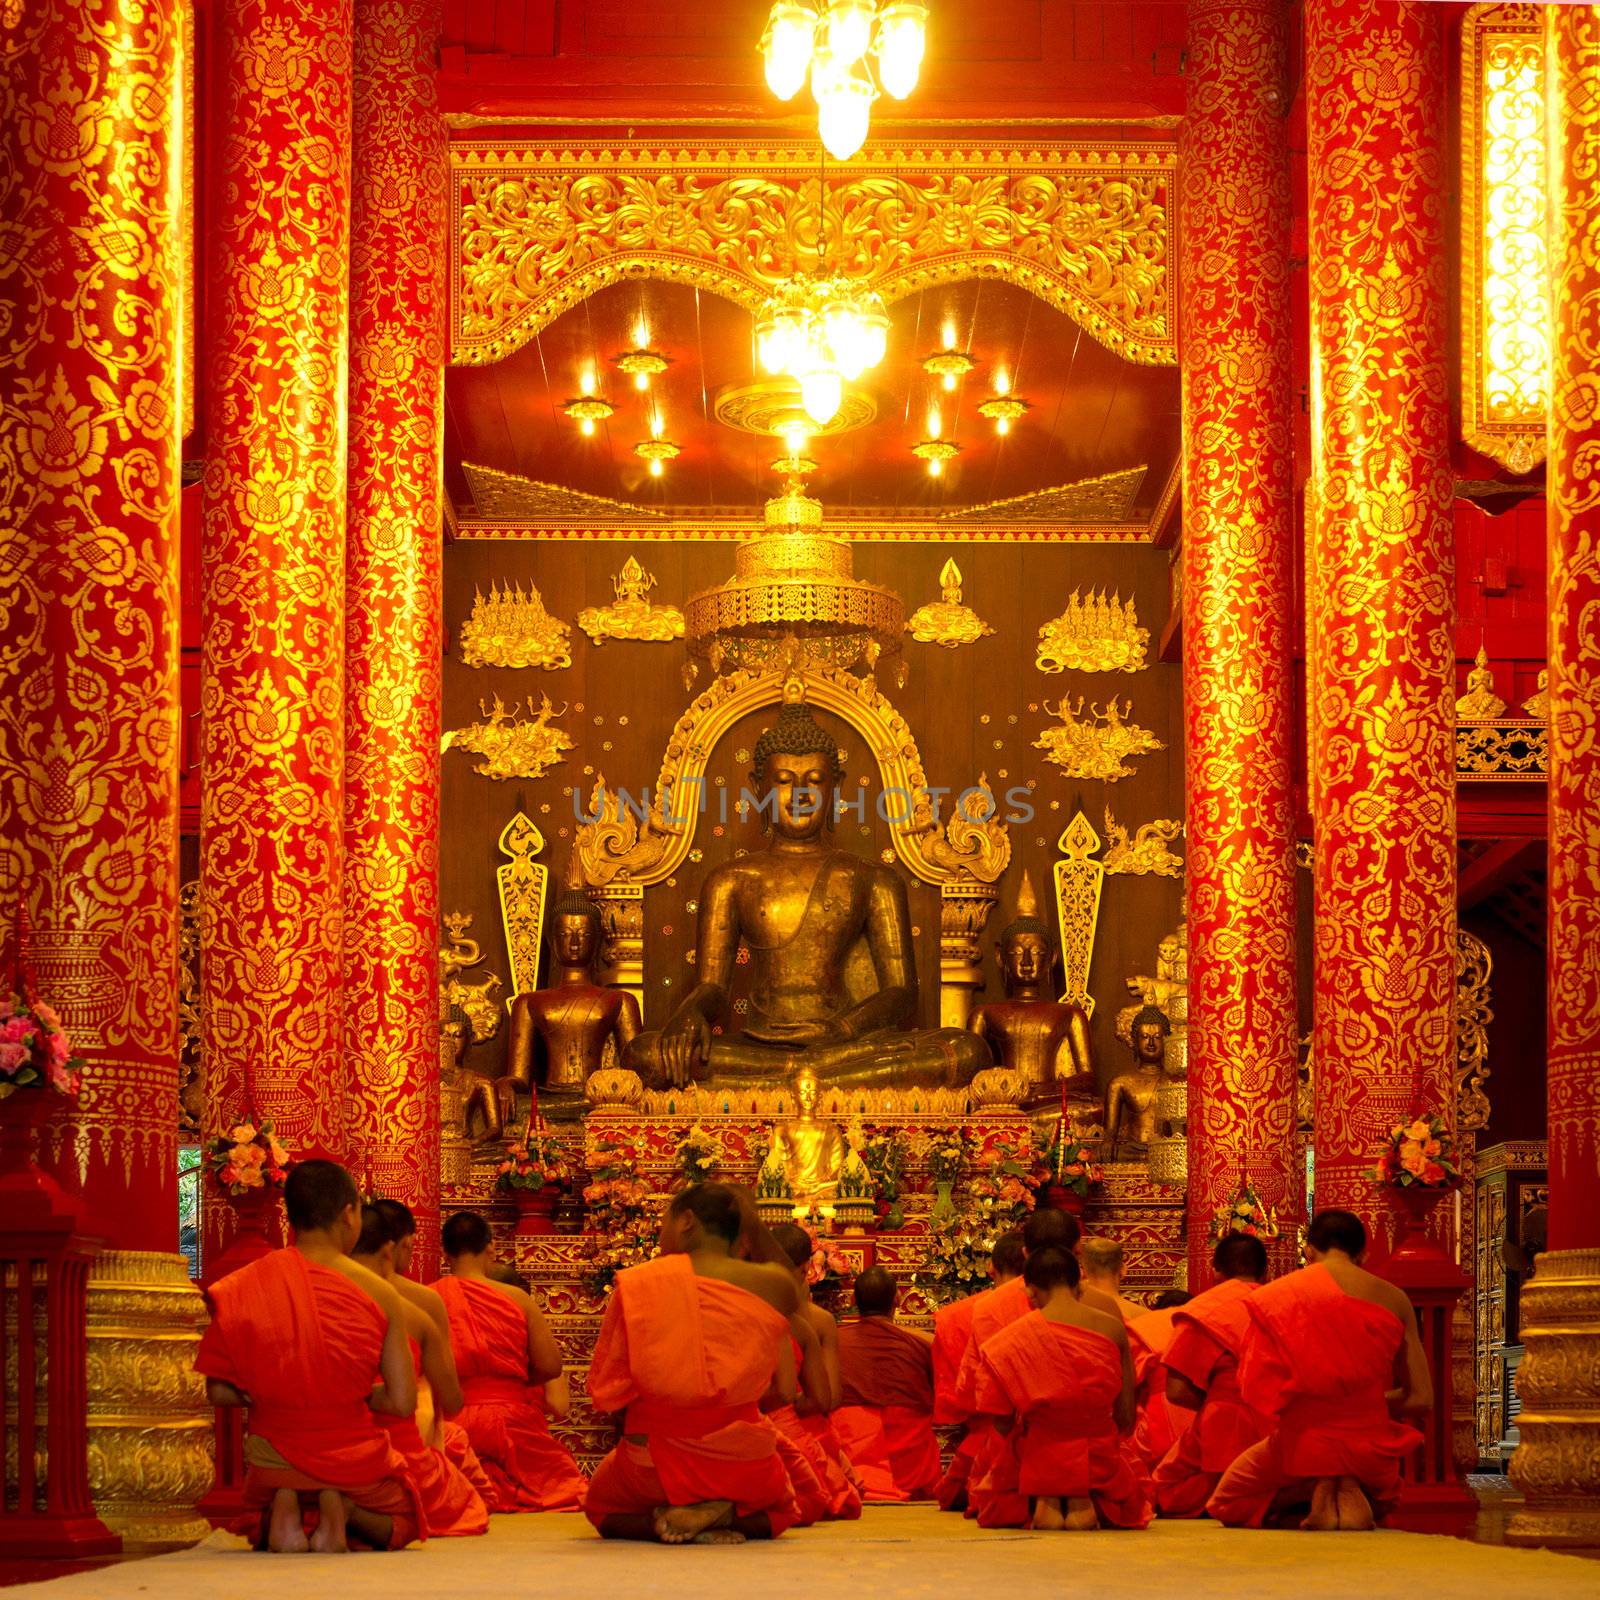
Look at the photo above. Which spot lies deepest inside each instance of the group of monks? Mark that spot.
(382, 1411)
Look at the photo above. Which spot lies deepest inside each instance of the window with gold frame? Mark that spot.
(1505, 294)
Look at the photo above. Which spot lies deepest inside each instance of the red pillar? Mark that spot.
(1557, 1466)
(1379, 588)
(273, 552)
(1238, 462)
(393, 606)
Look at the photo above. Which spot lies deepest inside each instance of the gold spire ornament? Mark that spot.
(947, 621)
(1480, 703)
(632, 616)
(1096, 746)
(1096, 633)
(512, 745)
(508, 628)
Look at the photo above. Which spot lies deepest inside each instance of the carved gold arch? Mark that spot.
(538, 227)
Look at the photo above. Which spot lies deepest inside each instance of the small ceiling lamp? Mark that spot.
(587, 411)
(949, 367)
(1002, 410)
(641, 365)
(936, 452)
(656, 449)
(839, 45)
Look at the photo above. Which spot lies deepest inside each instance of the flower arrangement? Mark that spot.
(1011, 1179)
(947, 1154)
(1245, 1215)
(621, 1210)
(1419, 1155)
(535, 1163)
(827, 1269)
(957, 1261)
(1069, 1164)
(699, 1154)
(884, 1152)
(248, 1156)
(34, 1053)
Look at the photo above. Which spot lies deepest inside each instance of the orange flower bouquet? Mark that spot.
(1420, 1154)
(248, 1156)
(537, 1162)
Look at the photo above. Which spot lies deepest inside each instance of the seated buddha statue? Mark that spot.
(810, 1154)
(833, 982)
(1031, 1032)
(1131, 1097)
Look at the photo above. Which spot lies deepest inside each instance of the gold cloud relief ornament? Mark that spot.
(1146, 853)
(1096, 746)
(947, 621)
(508, 628)
(513, 746)
(1096, 633)
(632, 616)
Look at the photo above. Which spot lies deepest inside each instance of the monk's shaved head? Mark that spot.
(795, 1243)
(317, 1194)
(1241, 1255)
(1049, 1229)
(398, 1217)
(376, 1231)
(875, 1292)
(1102, 1257)
(1051, 1269)
(1008, 1255)
(467, 1234)
(1170, 1299)
(715, 1206)
(1337, 1230)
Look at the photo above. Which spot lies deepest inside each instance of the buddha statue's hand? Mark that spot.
(685, 1044)
(505, 1099)
(808, 1033)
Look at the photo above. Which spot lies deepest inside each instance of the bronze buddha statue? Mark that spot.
(1031, 1032)
(833, 976)
(1131, 1098)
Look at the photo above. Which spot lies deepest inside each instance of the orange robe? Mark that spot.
(886, 1416)
(992, 1311)
(1160, 1422)
(454, 1442)
(454, 1507)
(1318, 1364)
(1209, 1338)
(810, 1435)
(952, 1333)
(688, 1359)
(305, 1344)
(503, 1416)
(1060, 1383)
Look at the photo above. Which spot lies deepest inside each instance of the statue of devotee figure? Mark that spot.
(568, 1023)
(1131, 1096)
(1031, 1032)
(810, 1154)
(833, 979)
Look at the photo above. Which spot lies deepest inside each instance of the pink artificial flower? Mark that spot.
(255, 1156)
(232, 1175)
(13, 1058)
(60, 1050)
(1414, 1161)
(16, 1030)
(1431, 1148)
(47, 1015)
(62, 1081)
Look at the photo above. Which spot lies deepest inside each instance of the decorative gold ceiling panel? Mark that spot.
(503, 496)
(538, 228)
(1105, 499)
(764, 404)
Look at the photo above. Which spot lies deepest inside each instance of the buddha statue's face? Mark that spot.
(574, 938)
(799, 786)
(1025, 958)
(805, 1093)
(1149, 1043)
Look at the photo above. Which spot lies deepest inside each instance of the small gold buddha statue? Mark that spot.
(810, 1154)
(1031, 1032)
(1480, 703)
(566, 1025)
(1131, 1097)
(833, 979)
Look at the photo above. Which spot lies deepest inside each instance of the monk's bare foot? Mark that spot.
(685, 1524)
(1047, 1516)
(1324, 1516)
(1355, 1510)
(286, 1531)
(719, 1536)
(1081, 1516)
(330, 1539)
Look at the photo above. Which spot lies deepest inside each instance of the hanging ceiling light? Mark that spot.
(839, 46)
(822, 332)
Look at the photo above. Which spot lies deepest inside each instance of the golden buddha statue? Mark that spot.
(810, 1154)
(1480, 703)
(1030, 1032)
(568, 1024)
(1131, 1097)
(833, 979)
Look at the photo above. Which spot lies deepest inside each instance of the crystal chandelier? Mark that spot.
(837, 45)
(823, 333)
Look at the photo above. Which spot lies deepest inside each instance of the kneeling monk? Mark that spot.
(688, 1346)
(885, 1418)
(1161, 1424)
(1321, 1357)
(1061, 1379)
(511, 1376)
(300, 1337)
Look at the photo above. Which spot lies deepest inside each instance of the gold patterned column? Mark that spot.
(1238, 467)
(1380, 603)
(393, 630)
(1557, 1465)
(273, 555)
(90, 400)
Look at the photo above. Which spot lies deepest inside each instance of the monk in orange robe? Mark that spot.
(885, 1417)
(1326, 1344)
(511, 1376)
(301, 1337)
(1160, 1423)
(1062, 1380)
(1203, 1377)
(1101, 1263)
(453, 1507)
(688, 1345)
